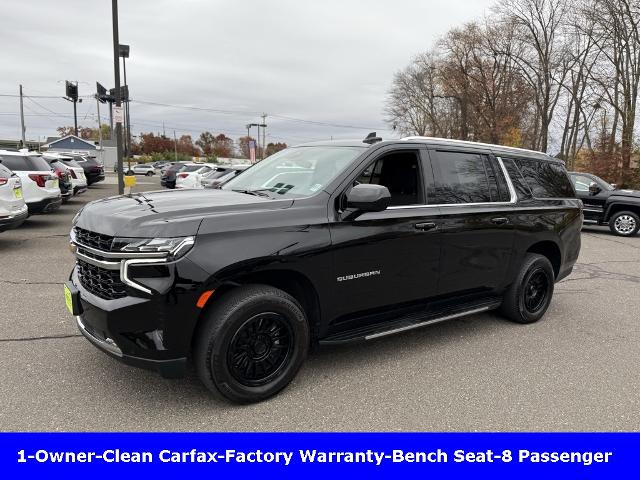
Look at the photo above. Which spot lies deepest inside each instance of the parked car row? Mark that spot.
(198, 175)
(32, 183)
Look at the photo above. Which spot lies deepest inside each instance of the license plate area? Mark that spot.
(72, 299)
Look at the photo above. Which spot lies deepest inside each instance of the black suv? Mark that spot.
(324, 243)
(605, 204)
(93, 170)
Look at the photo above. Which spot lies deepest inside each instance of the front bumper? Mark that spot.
(169, 368)
(151, 331)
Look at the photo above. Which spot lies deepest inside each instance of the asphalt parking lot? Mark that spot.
(577, 369)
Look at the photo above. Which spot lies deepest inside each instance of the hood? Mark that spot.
(626, 193)
(167, 213)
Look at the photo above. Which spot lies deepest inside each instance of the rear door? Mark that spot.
(476, 218)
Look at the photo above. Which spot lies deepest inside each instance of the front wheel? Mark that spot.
(251, 343)
(529, 296)
(624, 224)
(149, 174)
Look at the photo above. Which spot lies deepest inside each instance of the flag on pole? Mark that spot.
(252, 151)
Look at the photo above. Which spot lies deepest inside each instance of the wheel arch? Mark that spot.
(551, 251)
(292, 282)
(618, 206)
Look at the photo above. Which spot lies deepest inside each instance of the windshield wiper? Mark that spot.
(258, 193)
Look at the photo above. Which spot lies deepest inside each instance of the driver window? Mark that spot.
(581, 183)
(400, 173)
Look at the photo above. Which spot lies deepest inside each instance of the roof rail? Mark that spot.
(473, 144)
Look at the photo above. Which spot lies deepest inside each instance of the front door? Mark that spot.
(392, 257)
(477, 221)
(593, 203)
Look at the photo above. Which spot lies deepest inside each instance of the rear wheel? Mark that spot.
(529, 296)
(251, 343)
(624, 224)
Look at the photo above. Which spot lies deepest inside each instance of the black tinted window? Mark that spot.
(522, 190)
(461, 178)
(546, 179)
(400, 173)
(21, 163)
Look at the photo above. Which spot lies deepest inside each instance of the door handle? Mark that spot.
(425, 226)
(499, 220)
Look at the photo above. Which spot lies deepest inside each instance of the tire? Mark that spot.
(238, 337)
(130, 172)
(149, 174)
(624, 224)
(521, 302)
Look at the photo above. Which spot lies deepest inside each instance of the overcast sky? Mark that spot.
(321, 61)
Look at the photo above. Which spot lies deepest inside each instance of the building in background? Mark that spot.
(107, 155)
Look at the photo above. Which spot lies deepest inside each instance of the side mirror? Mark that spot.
(594, 189)
(614, 186)
(368, 198)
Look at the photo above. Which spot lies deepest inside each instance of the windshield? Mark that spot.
(296, 172)
(217, 173)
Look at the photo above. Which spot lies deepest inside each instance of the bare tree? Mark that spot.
(617, 36)
(542, 57)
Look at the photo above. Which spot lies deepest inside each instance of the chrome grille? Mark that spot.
(93, 239)
(101, 282)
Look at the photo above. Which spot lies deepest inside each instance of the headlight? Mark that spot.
(175, 247)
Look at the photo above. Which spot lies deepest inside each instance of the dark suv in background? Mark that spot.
(606, 204)
(324, 243)
(93, 170)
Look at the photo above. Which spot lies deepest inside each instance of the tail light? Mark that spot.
(40, 178)
(183, 175)
(73, 174)
(3, 180)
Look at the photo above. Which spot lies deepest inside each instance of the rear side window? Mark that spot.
(467, 178)
(546, 179)
(522, 190)
(22, 163)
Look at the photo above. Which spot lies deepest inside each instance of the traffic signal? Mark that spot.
(102, 93)
(71, 90)
(124, 93)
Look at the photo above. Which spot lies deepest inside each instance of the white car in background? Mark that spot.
(191, 174)
(13, 210)
(39, 184)
(78, 180)
(146, 169)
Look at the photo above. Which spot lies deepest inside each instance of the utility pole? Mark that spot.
(116, 68)
(99, 122)
(163, 132)
(22, 127)
(264, 134)
(175, 146)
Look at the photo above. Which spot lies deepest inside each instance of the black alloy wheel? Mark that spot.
(528, 297)
(535, 291)
(250, 343)
(259, 349)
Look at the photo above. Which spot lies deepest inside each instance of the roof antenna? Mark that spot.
(372, 138)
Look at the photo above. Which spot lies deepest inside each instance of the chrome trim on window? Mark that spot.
(512, 194)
